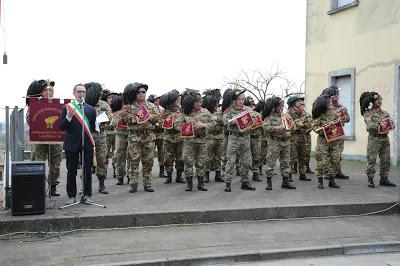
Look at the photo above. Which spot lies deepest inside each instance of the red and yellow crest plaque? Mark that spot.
(168, 123)
(142, 115)
(44, 121)
(258, 123)
(187, 130)
(385, 126)
(287, 122)
(333, 131)
(244, 121)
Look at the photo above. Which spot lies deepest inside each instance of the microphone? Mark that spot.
(82, 98)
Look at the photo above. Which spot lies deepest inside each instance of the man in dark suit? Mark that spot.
(70, 123)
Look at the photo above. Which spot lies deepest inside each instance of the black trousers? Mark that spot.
(72, 159)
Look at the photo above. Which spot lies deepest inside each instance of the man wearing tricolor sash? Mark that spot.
(76, 116)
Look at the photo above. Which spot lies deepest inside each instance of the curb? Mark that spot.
(278, 254)
(57, 224)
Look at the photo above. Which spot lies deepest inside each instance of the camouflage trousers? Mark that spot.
(308, 148)
(224, 152)
(140, 152)
(121, 154)
(256, 153)
(194, 156)
(52, 152)
(238, 146)
(110, 145)
(378, 145)
(327, 155)
(299, 152)
(173, 153)
(160, 151)
(215, 151)
(278, 149)
(100, 140)
(264, 147)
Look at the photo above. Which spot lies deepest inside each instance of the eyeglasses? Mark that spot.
(141, 91)
(80, 91)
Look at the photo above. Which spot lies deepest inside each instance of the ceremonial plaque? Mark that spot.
(168, 123)
(287, 122)
(385, 126)
(258, 123)
(333, 131)
(187, 130)
(244, 121)
(142, 115)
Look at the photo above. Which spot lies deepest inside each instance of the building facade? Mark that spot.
(354, 45)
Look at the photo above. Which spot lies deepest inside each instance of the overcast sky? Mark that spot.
(168, 44)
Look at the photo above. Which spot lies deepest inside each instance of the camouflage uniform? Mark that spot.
(255, 140)
(215, 144)
(110, 140)
(121, 146)
(378, 144)
(238, 145)
(299, 141)
(327, 154)
(173, 143)
(52, 152)
(141, 144)
(341, 141)
(278, 147)
(264, 146)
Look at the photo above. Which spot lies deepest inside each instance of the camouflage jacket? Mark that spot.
(101, 107)
(325, 118)
(372, 119)
(158, 130)
(172, 135)
(203, 116)
(231, 113)
(140, 132)
(257, 132)
(216, 129)
(274, 126)
(119, 126)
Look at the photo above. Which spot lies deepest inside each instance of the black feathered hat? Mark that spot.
(93, 93)
(249, 101)
(211, 98)
(332, 90)
(188, 99)
(259, 107)
(36, 87)
(152, 98)
(167, 99)
(130, 91)
(105, 94)
(270, 105)
(293, 99)
(116, 103)
(320, 106)
(366, 99)
(229, 97)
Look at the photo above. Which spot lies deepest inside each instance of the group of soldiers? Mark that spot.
(196, 134)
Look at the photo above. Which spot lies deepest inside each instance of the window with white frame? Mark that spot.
(339, 5)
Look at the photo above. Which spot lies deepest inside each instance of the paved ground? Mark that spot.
(173, 197)
(195, 241)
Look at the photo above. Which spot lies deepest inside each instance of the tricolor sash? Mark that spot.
(74, 108)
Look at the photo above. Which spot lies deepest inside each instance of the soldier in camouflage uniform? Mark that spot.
(93, 95)
(194, 148)
(327, 153)
(298, 139)
(159, 133)
(215, 135)
(42, 152)
(238, 142)
(255, 137)
(173, 143)
(333, 92)
(278, 142)
(378, 141)
(119, 104)
(141, 134)
(109, 97)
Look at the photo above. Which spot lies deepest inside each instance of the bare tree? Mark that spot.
(288, 88)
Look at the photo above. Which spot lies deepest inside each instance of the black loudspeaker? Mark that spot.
(28, 188)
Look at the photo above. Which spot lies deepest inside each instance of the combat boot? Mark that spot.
(102, 187)
(200, 184)
(371, 182)
(133, 188)
(294, 168)
(228, 187)
(269, 183)
(148, 188)
(256, 177)
(303, 177)
(169, 178)
(320, 182)
(207, 177)
(290, 178)
(162, 172)
(120, 181)
(332, 182)
(309, 171)
(218, 177)
(189, 181)
(53, 191)
(340, 175)
(179, 178)
(386, 182)
(286, 184)
(247, 186)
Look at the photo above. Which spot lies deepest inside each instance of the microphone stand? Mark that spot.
(83, 168)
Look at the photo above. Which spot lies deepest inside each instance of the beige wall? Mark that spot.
(364, 37)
